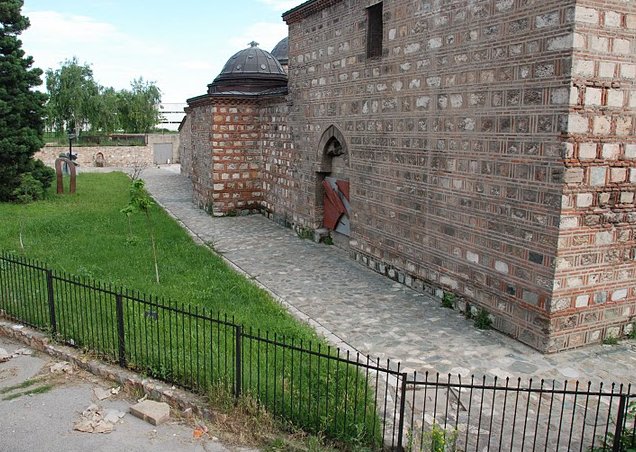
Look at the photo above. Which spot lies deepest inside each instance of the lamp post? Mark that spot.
(71, 137)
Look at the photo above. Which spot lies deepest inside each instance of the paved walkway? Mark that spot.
(371, 313)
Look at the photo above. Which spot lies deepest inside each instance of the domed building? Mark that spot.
(251, 70)
(281, 53)
(230, 133)
(481, 149)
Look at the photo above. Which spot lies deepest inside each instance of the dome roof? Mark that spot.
(250, 70)
(281, 51)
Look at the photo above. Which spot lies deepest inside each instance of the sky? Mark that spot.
(180, 45)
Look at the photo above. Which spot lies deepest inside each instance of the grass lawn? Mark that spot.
(86, 235)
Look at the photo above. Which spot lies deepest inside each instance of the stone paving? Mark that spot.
(358, 309)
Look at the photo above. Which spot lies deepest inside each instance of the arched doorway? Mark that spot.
(333, 188)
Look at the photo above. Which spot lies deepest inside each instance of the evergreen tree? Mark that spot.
(21, 107)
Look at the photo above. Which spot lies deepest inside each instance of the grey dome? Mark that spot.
(250, 70)
(281, 51)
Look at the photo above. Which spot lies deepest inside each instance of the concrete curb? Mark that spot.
(178, 399)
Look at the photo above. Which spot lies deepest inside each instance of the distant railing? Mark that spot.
(350, 398)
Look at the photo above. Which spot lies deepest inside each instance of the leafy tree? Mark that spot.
(78, 102)
(106, 118)
(73, 96)
(21, 107)
(139, 107)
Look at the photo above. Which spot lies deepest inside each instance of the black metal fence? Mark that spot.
(345, 396)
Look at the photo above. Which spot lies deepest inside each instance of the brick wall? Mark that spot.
(455, 141)
(279, 163)
(233, 147)
(185, 145)
(490, 152)
(594, 293)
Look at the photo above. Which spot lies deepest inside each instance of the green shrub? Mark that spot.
(29, 190)
(448, 300)
(43, 173)
(482, 320)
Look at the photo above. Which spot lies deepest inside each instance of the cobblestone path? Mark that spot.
(359, 309)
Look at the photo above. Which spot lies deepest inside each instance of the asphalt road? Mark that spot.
(44, 421)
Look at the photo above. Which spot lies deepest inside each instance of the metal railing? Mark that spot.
(344, 396)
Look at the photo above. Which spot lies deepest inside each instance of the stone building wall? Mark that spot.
(594, 293)
(455, 141)
(185, 145)
(489, 153)
(278, 164)
(199, 132)
(224, 155)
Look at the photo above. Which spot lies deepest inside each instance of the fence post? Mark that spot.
(51, 299)
(620, 420)
(238, 371)
(120, 329)
(402, 413)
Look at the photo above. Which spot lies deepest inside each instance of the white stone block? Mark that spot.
(612, 19)
(611, 151)
(584, 68)
(606, 69)
(602, 125)
(587, 151)
(604, 238)
(501, 267)
(622, 46)
(593, 96)
(584, 199)
(582, 301)
(577, 123)
(150, 411)
(615, 98)
(620, 294)
(586, 15)
(597, 175)
(472, 257)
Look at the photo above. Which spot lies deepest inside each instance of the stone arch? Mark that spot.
(332, 184)
(100, 161)
(332, 144)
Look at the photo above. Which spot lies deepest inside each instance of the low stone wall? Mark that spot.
(113, 156)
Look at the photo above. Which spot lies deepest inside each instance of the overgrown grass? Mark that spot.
(87, 235)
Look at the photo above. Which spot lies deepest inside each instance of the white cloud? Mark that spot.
(282, 5)
(267, 34)
(118, 56)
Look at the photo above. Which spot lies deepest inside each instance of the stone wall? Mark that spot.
(456, 136)
(490, 153)
(113, 156)
(279, 163)
(199, 133)
(185, 146)
(594, 295)
(225, 152)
